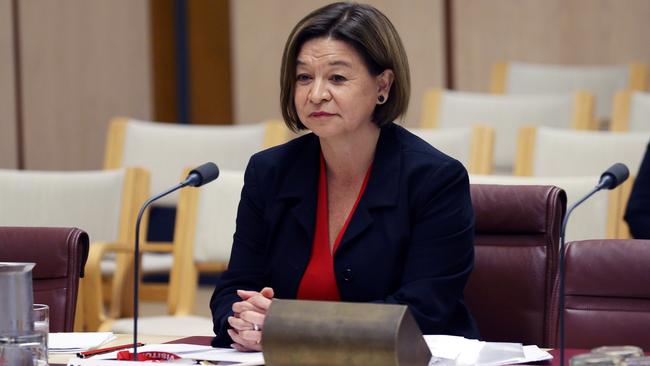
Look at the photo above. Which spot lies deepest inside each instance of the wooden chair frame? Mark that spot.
(616, 227)
(481, 160)
(90, 310)
(183, 281)
(276, 133)
(621, 111)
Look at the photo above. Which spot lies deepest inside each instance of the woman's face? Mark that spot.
(335, 94)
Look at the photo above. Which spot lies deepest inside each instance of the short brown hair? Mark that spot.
(371, 34)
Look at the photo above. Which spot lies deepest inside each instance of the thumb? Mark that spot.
(267, 292)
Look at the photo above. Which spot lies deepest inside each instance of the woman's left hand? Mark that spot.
(249, 319)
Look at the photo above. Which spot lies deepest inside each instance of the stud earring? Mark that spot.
(381, 99)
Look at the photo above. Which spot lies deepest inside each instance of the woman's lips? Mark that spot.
(320, 114)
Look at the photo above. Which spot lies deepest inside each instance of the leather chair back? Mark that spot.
(60, 255)
(516, 252)
(607, 293)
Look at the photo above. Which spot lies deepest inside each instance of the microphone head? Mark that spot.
(614, 176)
(203, 174)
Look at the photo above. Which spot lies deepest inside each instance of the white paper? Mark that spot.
(77, 342)
(534, 354)
(179, 349)
(195, 352)
(228, 354)
(89, 362)
(459, 351)
(448, 347)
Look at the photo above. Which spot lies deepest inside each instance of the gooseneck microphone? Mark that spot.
(610, 179)
(197, 177)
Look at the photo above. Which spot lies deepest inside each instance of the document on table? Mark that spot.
(196, 352)
(77, 342)
(452, 350)
(445, 350)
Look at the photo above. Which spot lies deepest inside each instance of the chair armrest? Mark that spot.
(92, 283)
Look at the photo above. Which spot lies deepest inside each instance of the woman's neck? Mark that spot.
(348, 158)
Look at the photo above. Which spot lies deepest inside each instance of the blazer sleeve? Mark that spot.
(440, 253)
(246, 266)
(637, 214)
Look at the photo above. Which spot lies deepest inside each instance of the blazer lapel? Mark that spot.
(383, 185)
(299, 187)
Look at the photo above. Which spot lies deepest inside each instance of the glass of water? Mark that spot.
(42, 320)
(26, 348)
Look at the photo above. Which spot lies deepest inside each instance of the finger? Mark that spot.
(240, 307)
(246, 294)
(240, 348)
(253, 337)
(267, 292)
(252, 317)
(249, 342)
(240, 324)
(260, 302)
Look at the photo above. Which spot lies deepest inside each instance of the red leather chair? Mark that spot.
(516, 254)
(607, 288)
(60, 255)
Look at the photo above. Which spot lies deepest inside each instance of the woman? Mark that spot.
(360, 210)
(637, 214)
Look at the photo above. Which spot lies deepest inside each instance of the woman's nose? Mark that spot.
(319, 92)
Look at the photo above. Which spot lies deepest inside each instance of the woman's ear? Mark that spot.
(384, 82)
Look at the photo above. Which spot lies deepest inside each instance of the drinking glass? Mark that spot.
(42, 320)
(25, 348)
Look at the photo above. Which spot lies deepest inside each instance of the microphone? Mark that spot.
(610, 179)
(197, 177)
(614, 176)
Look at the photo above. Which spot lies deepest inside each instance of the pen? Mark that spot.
(101, 351)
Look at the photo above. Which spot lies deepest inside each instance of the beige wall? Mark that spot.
(548, 31)
(260, 28)
(8, 143)
(82, 63)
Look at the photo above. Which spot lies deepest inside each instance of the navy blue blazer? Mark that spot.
(410, 240)
(637, 213)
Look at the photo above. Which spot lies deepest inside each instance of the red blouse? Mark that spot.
(319, 281)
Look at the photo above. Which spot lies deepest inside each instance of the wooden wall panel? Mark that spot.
(83, 62)
(549, 31)
(260, 28)
(209, 54)
(8, 141)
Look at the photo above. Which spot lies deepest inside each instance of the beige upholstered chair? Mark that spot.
(472, 146)
(631, 112)
(505, 114)
(102, 203)
(167, 149)
(544, 151)
(206, 223)
(547, 151)
(602, 81)
(597, 218)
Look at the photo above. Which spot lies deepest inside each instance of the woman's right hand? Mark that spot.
(248, 321)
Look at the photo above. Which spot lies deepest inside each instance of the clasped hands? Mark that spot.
(248, 320)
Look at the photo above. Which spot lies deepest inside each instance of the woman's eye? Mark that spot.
(338, 78)
(302, 77)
